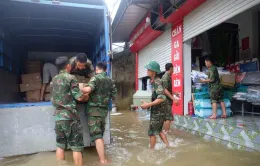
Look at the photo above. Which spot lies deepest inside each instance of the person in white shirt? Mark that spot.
(49, 71)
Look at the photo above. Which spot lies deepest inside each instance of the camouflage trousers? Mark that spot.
(69, 134)
(216, 95)
(168, 110)
(157, 119)
(96, 122)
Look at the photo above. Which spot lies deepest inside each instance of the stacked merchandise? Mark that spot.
(252, 95)
(202, 104)
(33, 67)
(32, 81)
(47, 94)
(31, 84)
(203, 108)
(197, 76)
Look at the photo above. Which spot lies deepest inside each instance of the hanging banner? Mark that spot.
(177, 61)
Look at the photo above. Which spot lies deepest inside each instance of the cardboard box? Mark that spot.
(140, 96)
(31, 78)
(33, 67)
(33, 96)
(228, 80)
(47, 96)
(82, 85)
(48, 89)
(30, 87)
(82, 79)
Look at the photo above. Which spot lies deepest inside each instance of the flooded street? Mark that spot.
(130, 148)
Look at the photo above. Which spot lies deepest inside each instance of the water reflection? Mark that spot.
(130, 147)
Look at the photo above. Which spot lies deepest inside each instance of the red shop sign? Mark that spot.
(143, 35)
(177, 61)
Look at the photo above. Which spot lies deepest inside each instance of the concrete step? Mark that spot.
(234, 132)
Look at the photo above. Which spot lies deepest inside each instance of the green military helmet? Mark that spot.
(154, 66)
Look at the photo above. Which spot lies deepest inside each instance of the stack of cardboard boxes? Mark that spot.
(228, 80)
(31, 84)
(47, 95)
(32, 81)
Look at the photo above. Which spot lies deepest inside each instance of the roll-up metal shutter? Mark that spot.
(159, 50)
(212, 13)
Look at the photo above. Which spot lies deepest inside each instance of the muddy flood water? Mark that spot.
(130, 148)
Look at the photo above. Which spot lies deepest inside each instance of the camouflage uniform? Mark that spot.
(65, 92)
(157, 113)
(88, 70)
(215, 89)
(102, 90)
(167, 84)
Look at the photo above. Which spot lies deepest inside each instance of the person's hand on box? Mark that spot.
(85, 97)
(145, 105)
(81, 86)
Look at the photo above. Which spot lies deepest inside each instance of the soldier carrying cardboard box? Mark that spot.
(82, 66)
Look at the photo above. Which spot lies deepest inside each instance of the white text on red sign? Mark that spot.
(176, 69)
(176, 31)
(176, 56)
(177, 83)
(176, 44)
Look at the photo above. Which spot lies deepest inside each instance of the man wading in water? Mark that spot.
(158, 105)
(65, 92)
(167, 85)
(102, 89)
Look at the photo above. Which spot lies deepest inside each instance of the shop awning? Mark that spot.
(130, 13)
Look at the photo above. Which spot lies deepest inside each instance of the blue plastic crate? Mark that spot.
(201, 95)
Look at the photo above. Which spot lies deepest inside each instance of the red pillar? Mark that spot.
(136, 71)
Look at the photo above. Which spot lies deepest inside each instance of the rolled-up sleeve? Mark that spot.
(92, 83)
(74, 88)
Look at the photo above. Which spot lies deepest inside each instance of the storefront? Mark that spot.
(164, 46)
(160, 46)
(237, 18)
(227, 30)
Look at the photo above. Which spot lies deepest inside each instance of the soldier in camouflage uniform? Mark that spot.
(167, 85)
(81, 65)
(102, 89)
(158, 105)
(65, 92)
(215, 89)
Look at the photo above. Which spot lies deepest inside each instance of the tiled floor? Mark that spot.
(246, 122)
(242, 132)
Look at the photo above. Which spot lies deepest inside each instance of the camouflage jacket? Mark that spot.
(214, 77)
(65, 92)
(102, 91)
(158, 93)
(86, 72)
(167, 83)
